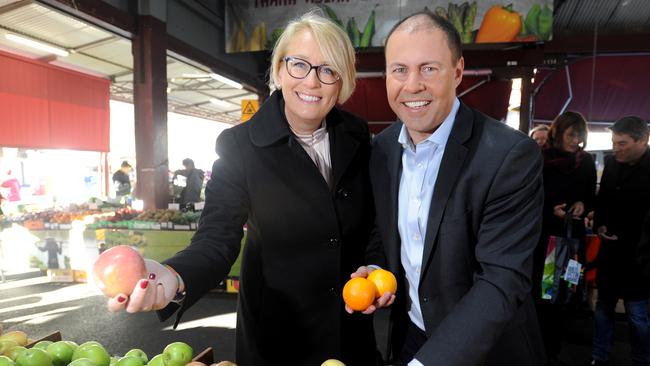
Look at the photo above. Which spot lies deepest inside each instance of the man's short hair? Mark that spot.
(436, 21)
(633, 126)
(125, 164)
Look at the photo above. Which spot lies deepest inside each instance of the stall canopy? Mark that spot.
(620, 88)
(44, 106)
(369, 100)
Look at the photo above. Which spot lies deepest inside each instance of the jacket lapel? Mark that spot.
(450, 168)
(394, 163)
(343, 145)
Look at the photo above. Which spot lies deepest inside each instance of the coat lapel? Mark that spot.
(394, 163)
(450, 168)
(343, 146)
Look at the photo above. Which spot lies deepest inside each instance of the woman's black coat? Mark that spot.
(304, 240)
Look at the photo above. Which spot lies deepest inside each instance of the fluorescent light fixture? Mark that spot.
(221, 103)
(37, 45)
(225, 80)
(195, 76)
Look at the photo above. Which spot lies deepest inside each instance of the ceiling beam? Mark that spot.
(97, 43)
(14, 6)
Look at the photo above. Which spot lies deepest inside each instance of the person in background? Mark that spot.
(622, 204)
(122, 181)
(540, 135)
(458, 198)
(191, 192)
(12, 187)
(569, 189)
(297, 175)
(53, 249)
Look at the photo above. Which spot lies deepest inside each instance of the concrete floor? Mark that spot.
(39, 307)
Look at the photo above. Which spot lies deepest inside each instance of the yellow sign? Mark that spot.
(248, 108)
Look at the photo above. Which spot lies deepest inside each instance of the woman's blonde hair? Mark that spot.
(333, 42)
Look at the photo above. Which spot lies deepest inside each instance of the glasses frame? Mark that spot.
(286, 60)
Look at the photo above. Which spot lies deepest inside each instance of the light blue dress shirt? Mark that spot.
(420, 167)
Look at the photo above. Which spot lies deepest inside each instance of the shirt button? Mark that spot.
(416, 237)
(420, 165)
(425, 299)
(333, 291)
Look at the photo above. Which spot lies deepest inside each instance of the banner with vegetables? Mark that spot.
(255, 25)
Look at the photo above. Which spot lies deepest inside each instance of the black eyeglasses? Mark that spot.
(299, 69)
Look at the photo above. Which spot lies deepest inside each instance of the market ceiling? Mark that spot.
(193, 89)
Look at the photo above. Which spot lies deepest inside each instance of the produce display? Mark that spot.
(16, 350)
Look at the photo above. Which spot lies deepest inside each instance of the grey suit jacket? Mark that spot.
(484, 223)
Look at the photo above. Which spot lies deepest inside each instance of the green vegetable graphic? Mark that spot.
(353, 32)
(539, 22)
(368, 31)
(332, 15)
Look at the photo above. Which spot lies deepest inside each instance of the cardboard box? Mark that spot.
(60, 275)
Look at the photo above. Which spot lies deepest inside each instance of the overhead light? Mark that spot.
(221, 103)
(225, 80)
(37, 45)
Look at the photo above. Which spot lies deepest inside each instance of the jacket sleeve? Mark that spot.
(601, 212)
(217, 241)
(643, 249)
(589, 189)
(507, 234)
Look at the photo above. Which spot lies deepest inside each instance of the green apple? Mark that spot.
(60, 352)
(34, 357)
(82, 362)
(72, 344)
(94, 352)
(90, 343)
(14, 351)
(7, 345)
(6, 361)
(42, 345)
(136, 352)
(130, 361)
(179, 353)
(159, 360)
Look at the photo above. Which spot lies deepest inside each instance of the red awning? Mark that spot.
(44, 106)
(620, 88)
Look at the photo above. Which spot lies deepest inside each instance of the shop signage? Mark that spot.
(255, 25)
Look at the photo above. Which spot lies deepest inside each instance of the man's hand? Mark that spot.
(602, 232)
(385, 300)
(558, 210)
(152, 293)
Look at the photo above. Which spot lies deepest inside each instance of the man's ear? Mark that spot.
(458, 71)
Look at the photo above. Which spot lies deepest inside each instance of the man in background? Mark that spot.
(621, 206)
(122, 181)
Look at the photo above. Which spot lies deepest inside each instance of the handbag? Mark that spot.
(561, 260)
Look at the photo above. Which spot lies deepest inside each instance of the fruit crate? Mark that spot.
(54, 337)
(206, 356)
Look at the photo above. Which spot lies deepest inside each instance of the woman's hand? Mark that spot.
(384, 301)
(152, 293)
(602, 232)
(577, 209)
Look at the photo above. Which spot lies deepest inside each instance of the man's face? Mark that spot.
(421, 79)
(626, 150)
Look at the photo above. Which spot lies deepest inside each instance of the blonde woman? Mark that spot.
(297, 175)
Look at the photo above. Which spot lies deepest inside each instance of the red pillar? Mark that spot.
(150, 102)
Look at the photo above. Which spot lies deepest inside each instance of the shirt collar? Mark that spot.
(439, 136)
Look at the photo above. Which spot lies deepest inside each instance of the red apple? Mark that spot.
(118, 270)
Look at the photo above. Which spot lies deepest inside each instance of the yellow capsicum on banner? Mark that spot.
(500, 24)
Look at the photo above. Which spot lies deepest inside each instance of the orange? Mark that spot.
(359, 293)
(384, 280)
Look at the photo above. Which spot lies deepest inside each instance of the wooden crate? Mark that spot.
(54, 337)
(207, 357)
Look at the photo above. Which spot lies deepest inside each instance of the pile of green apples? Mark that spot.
(68, 353)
